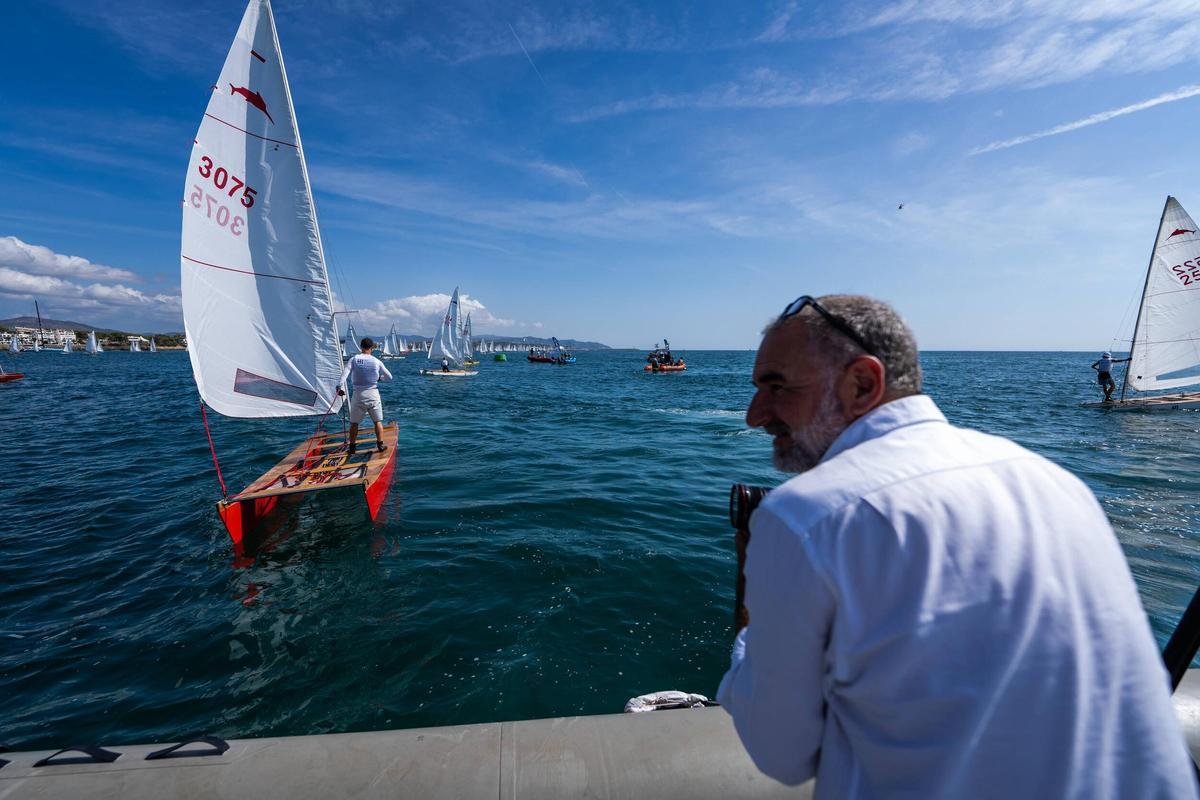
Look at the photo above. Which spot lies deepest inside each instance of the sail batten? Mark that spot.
(256, 297)
(1165, 351)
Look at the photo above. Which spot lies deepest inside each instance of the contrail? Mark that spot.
(1104, 116)
(530, 60)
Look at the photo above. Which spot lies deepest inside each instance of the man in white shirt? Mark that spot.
(933, 612)
(1103, 366)
(365, 371)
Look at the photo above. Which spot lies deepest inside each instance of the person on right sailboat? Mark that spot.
(1103, 366)
(365, 371)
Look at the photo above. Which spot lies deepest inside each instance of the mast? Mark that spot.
(1142, 302)
(41, 335)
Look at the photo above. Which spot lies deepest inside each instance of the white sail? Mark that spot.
(1165, 350)
(37, 344)
(445, 341)
(257, 307)
(467, 349)
(93, 346)
(352, 340)
(402, 345)
(133, 347)
(67, 346)
(153, 347)
(13, 347)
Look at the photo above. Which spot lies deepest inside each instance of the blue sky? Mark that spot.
(624, 171)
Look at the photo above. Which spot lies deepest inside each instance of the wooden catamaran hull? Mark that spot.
(319, 463)
(1166, 402)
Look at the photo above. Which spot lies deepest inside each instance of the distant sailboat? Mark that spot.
(134, 347)
(9, 377)
(447, 345)
(1164, 353)
(352, 340)
(67, 346)
(37, 345)
(13, 346)
(257, 307)
(153, 346)
(468, 350)
(93, 345)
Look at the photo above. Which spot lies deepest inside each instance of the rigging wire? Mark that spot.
(213, 450)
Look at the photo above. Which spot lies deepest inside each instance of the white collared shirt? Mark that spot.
(939, 613)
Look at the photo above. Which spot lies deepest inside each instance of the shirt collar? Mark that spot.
(884, 419)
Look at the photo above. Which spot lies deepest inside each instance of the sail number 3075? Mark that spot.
(222, 178)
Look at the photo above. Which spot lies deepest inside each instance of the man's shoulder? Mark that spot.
(915, 458)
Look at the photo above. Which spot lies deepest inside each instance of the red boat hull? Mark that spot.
(11, 376)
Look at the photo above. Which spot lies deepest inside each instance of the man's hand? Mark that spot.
(341, 392)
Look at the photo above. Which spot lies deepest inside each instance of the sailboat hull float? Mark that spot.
(1166, 402)
(1164, 353)
(319, 463)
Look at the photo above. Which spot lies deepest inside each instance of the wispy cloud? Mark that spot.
(761, 88)
(1182, 93)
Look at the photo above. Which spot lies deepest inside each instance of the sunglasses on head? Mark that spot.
(805, 301)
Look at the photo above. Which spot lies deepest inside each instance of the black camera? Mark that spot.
(743, 500)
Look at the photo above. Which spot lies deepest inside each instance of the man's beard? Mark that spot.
(810, 443)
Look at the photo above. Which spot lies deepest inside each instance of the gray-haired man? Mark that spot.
(933, 612)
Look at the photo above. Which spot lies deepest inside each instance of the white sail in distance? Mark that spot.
(257, 306)
(445, 340)
(93, 346)
(1165, 351)
(13, 347)
(387, 342)
(67, 346)
(153, 347)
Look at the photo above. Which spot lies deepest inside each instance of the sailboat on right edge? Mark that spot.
(1165, 351)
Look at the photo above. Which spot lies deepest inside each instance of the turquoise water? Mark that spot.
(555, 541)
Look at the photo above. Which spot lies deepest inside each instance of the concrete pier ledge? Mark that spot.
(663, 755)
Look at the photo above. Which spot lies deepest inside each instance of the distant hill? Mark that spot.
(32, 322)
(78, 327)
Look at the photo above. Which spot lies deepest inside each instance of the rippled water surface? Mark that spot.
(555, 541)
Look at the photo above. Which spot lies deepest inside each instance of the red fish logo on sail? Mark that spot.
(253, 98)
(1178, 231)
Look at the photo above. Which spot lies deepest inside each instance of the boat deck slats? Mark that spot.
(317, 462)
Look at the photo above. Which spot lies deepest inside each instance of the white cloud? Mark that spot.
(66, 293)
(37, 260)
(1182, 93)
(29, 272)
(421, 314)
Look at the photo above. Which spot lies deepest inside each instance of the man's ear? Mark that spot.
(862, 387)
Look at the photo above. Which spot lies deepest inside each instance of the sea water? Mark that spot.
(555, 541)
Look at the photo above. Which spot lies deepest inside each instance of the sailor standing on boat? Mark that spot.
(365, 371)
(1103, 365)
(932, 612)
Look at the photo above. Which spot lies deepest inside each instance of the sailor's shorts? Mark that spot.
(366, 401)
